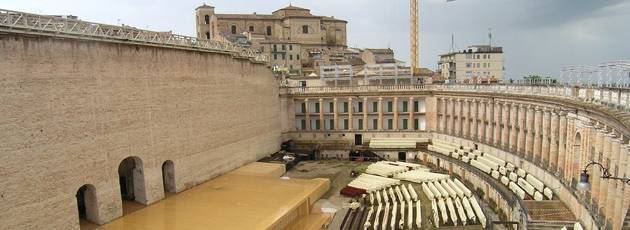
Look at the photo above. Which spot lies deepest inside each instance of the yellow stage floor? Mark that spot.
(231, 201)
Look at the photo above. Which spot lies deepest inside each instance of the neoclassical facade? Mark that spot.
(552, 133)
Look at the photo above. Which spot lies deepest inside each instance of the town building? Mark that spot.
(476, 64)
(293, 37)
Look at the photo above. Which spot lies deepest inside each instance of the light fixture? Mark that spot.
(583, 184)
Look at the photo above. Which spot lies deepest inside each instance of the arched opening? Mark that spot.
(305, 29)
(251, 28)
(576, 158)
(207, 35)
(132, 190)
(87, 206)
(168, 177)
(233, 29)
(268, 30)
(207, 19)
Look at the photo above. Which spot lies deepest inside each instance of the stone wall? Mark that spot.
(72, 110)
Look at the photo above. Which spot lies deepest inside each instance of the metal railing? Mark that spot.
(15, 21)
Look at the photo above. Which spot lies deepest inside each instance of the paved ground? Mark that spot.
(338, 171)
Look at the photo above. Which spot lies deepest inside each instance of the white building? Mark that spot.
(476, 64)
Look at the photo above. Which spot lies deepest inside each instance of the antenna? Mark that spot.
(452, 43)
(490, 37)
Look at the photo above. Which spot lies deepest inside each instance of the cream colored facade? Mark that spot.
(318, 40)
(481, 64)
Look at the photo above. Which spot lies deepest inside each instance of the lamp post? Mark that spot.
(583, 184)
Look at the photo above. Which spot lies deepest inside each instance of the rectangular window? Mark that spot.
(390, 123)
(297, 57)
(317, 125)
(360, 107)
(275, 48)
(303, 109)
(416, 124)
(404, 124)
(416, 106)
(275, 56)
(360, 125)
(331, 107)
(404, 106)
(345, 107)
(345, 123)
(316, 107)
(375, 106)
(284, 56)
(303, 124)
(290, 56)
(389, 106)
(331, 124)
(375, 124)
(283, 47)
(290, 47)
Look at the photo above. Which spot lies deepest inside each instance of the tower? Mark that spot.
(205, 27)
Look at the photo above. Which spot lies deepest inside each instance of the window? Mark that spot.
(291, 67)
(302, 124)
(275, 56)
(268, 30)
(303, 109)
(305, 29)
(331, 124)
(375, 124)
(284, 56)
(416, 124)
(389, 106)
(478, 65)
(290, 47)
(331, 107)
(404, 106)
(488, 56)
(233, 29)
(317, 125)
(284, 47)
(390, 123)
(360, 107)
(290, 56)
(478, 56)
(275, 48)
(345, 107)
(316, 107)
(207, 19)
(488, 65)
(404, 124)
(297, 57)
(360, 125)
(251, 28)
(416, 106)
(345, 124)
(374, 106)
(207, 35)
(468, 65)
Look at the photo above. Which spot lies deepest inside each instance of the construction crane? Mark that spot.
(415, 48)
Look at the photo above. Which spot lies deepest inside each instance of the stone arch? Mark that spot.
(87, 205)
(131, 178)
(168, 177)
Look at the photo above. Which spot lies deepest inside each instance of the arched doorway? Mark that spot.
(131, 178)
(87, 206)
(168, 177)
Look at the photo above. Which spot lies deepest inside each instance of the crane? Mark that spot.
(413, 45)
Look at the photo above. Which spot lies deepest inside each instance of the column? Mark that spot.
(514, 117)
(505, 126)
(449, 111)
(365, 114)
(496, 122)
(481, 126)
(473, 115)
(488, 121)
(620, 207)
(443, 120)
(307, 113)
(529, 125)
(546, 126)
(350, 114)
(395, 114)
(411, 108)
(598, 146)
(604, 158)
(562, 140)
(537, 134)
(553, 149)
(458, 117)
(335, 115)
(380, 114)
(522, 137)
(613, 163)
(321, 114)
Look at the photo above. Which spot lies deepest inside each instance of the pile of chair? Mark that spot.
(450, 199)
(518, 180)
(394, 207)
(371, 183)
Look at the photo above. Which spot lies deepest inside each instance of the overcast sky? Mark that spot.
(538, 36)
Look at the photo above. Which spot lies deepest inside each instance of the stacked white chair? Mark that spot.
(461, 211)
(372, 183)
(480, 216)
(452, 211)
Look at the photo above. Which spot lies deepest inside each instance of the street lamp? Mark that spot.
(583, 184)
